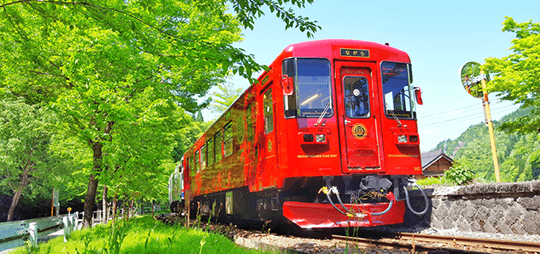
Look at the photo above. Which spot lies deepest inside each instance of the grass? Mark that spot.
(140, 234)
(434, 181)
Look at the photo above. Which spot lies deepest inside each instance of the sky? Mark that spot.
(439, 36)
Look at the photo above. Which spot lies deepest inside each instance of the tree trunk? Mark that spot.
(92, 184)
(130, 209)
(89, 201)
(17, 195)
(114, 206)
(14, 203)
(104, 205)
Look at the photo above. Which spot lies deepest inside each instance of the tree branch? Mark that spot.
(93, 6)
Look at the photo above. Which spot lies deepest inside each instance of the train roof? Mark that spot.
(329, 48)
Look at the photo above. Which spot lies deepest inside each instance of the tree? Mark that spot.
(187, 136)
(516, 76)
(113, 69)
(199, 116)
(25, 136)
(518, 153)
(224, 97)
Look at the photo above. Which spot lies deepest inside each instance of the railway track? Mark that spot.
(315, 242)
(452, 244)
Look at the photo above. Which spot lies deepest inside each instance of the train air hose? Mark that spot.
(409, 203)
(327, 191)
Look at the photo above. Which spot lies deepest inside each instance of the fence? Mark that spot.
(13, 234)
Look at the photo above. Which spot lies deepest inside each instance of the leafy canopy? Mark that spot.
(517, 76)
(224, 97)
(120, 75)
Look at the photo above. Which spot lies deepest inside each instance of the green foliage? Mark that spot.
(248, 10)
(224, 97)
(27, 164)
(187, 136)
(459, 174)
(140, 235)
(199, 116)
(433, 181)
(516, 76)
(518, 154)
(121, 75)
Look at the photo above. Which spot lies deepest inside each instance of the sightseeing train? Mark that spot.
(327, 137)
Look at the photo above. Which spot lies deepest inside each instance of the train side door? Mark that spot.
(267, 140)
(252, 152)
(358, 116)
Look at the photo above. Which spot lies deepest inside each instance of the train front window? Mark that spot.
(397, 90)
(312, 94)
(356, 97)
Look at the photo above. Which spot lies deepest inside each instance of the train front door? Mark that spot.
(358, 116)
(267, 142)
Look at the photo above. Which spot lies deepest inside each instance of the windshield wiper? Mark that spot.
(323, 113)
(392, 113)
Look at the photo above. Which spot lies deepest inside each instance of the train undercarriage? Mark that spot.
(313, 202)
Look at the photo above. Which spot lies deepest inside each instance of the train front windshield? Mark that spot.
(313, 91)
(397, 89)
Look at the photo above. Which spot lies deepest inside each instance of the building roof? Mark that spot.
(431, 157)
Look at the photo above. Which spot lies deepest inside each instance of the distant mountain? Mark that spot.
(518, 155)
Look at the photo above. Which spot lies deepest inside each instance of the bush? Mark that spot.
(459, 174)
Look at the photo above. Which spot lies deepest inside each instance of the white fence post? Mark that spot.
(71, 223)
(67, 230)
(76, 214)
(33, 230)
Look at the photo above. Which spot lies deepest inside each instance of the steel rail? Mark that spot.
(453, 243)
(399, 244)
(478, 242)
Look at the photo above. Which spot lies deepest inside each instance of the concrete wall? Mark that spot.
(508, 208)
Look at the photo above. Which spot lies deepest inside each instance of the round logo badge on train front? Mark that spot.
(359, 131)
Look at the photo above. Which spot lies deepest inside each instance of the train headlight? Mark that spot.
(320, 138)
(308, 137)
(402, 139)
(413, 138)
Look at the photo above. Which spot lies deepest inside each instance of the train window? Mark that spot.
(228, 139)
(197, 165)
(203, 157)
(189, 166)
(240, 127)
(210, 149)
(218, 146)
(251, 109)
(268, 112)
(289, 69)
(312, 95)
(397, 90)
(356, 96)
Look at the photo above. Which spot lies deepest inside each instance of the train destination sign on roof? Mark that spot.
(355, 52)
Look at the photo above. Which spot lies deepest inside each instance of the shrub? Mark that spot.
(459, 174)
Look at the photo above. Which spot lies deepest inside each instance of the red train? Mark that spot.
(326, 138)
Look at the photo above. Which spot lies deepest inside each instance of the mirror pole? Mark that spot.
(485, 103)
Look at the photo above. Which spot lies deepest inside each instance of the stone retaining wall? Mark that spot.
(508, 208)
